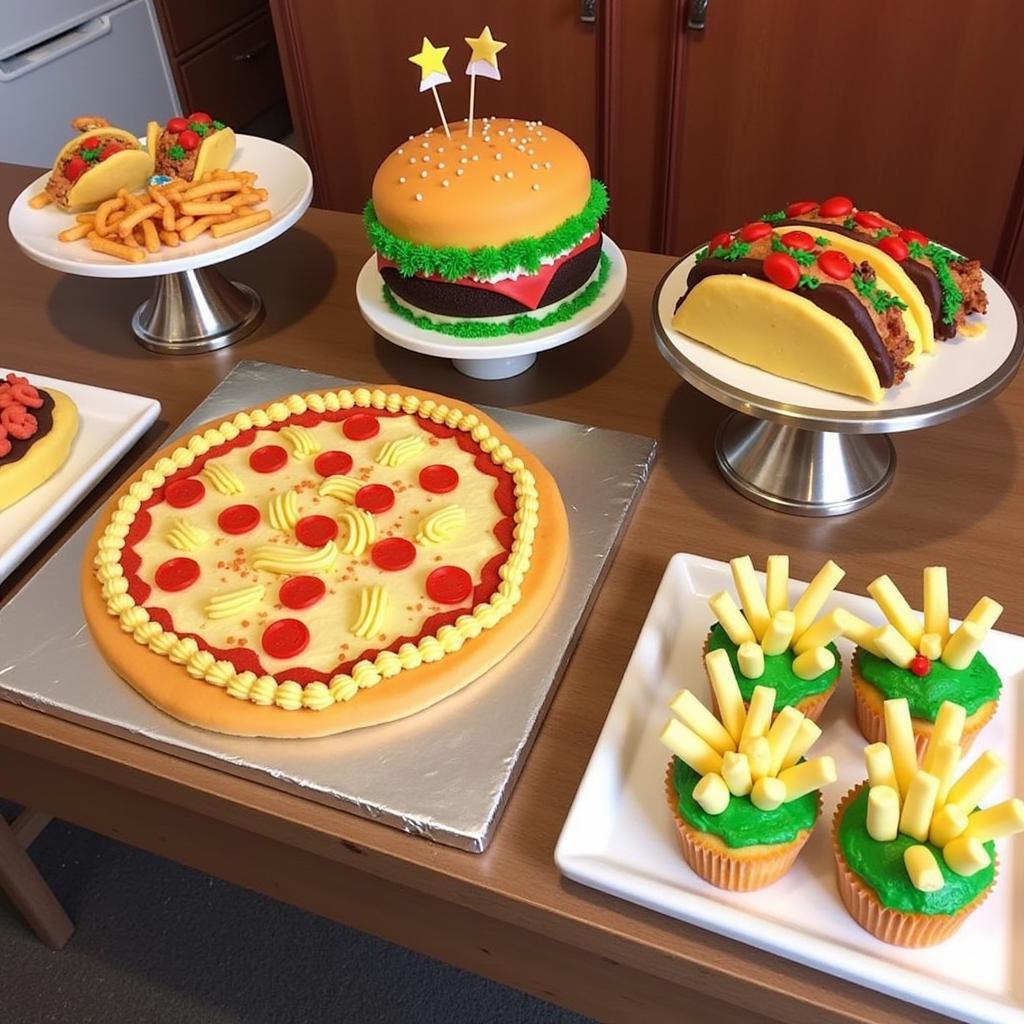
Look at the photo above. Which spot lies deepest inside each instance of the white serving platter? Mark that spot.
(281, 171)
(110, 422)
(619, 836)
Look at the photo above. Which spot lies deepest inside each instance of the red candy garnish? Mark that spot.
(285, 638)
(188, 139)
(449, 585)
(201, 116)
(393, 554)
(5, 445)
(722, 240)
(867, 219)
(836, 264)
(781, 269)
(17, 421)
(375, 498)
(17, 396)
(360, 427)
(755, 230)
(177, 124)
(239, 518)
(90, 143)
(909, 235)
(920, 665)
(439, 479)
(109, 150)
(894, 247)
(268, 459)
(184, 493)
(316, 531)
(177, 574)
(837, 206)
(301, 592)
(798, 240)
(331, 463)
(74, 168)
(800, 208)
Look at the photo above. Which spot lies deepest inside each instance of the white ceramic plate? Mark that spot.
(282, 172)
(110, 422)
(620, 837)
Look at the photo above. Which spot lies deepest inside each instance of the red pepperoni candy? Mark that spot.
(755, 230)
(285, 638)
(721, 241)
(268, 459)
(239, 518)
(360, 427)
(375, 498)
(188, 139)
(894, 247)
(837, 206)
(439, 479)
(449, 585)
(177, 124)
(177, 574)
(798, 240)
(200, 116)
(330, 463)
(184, 493)
(836, 264)
(800, 208)
(909, 235)
(316, 531)
(301, 592)
(781, 269)
(393, 554)
(867, 219)
(75, 168)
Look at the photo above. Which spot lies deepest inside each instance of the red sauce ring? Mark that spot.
(239, 519)
(301, 592)
(375, 498)
(781, 269)
(449, 584)
(837, 206)
(798, 240)
(285, 638)
(799, 208)
(393, 554)
(894, 247)
(184, 493)
(835, 264)
(332, 463)
(177, 574)
(439, 479)
(867, 219)
(268, 459)
(360, 427)
(754, 230)
(316, 531)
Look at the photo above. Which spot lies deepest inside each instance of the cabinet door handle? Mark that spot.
(588, 11)
(696, 15)
(253, 53)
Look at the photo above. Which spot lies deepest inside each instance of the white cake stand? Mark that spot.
(488, 359)
(803, 450)
(193, 308)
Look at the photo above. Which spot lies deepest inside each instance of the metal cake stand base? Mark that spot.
(196, 311)
(803, 472)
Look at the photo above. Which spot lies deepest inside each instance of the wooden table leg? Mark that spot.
(23, 884)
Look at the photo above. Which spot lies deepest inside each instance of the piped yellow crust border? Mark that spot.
(176, 676)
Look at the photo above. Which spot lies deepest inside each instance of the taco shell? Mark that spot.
(215, 153)
(130, 169)
(758, 323)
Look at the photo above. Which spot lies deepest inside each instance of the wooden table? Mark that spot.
(506, 914)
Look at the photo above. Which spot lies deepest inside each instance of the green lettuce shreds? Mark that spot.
(452, 262)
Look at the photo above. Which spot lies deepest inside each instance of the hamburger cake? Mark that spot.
(488, 235)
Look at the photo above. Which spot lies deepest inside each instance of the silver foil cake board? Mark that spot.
(445, 773)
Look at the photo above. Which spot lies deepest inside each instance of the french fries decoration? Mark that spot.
(931, 807)
(766, 625)
(744, 752)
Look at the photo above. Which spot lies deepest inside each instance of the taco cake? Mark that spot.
(188, 147)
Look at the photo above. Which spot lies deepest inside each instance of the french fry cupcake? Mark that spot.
(914, 854)
(743, 798)
(774, 646)
(922, 661)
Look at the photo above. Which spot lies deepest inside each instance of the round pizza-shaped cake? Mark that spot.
(326, 562)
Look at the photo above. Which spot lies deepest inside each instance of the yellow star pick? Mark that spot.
(430, 59)
(485, 47)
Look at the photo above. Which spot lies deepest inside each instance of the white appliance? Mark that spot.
(63, 58)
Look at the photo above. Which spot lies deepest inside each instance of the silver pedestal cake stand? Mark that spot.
(799, 449)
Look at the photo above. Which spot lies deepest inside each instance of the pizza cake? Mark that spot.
(326, 562)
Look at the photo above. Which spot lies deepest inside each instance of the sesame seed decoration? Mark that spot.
(440, 166)
(401, 181)
(497, 156)
(423, 174)
(476, 156)
(547, 165)
(400, 151)
(497, 177)
(463, 160)
(535, 166)
(460, 172)
(508, 174)
(425, 145)
(536, 187)
(419, 197)
(412, 159)
(463, 146)
(426, 159)
(444, 184)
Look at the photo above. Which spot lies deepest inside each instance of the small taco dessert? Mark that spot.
(95, 164)
(924, 661)
(188, 147)
(771, 646)
(915, 856)
(742, 795)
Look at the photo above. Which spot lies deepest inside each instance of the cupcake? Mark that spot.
(770, 644)
(921, 661)
(914, 856)
(743, 798)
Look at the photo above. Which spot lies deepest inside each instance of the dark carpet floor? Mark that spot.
(157, 943)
